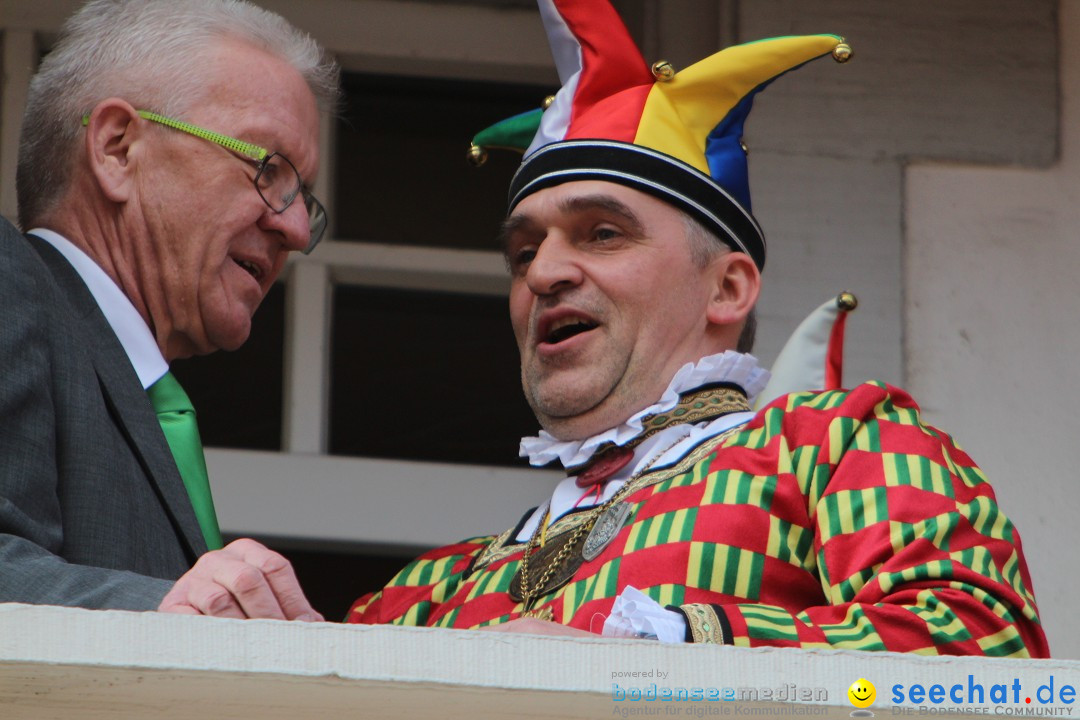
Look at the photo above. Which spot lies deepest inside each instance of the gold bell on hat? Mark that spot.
(663, 71)
(842, 53)
(477, 155)
(847, 301)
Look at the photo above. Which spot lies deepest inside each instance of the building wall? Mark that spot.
(992, 333)
(927, 176)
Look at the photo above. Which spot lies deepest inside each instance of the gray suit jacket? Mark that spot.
(93, 512)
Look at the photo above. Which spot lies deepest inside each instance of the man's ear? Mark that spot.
(738, 283)
(112, 132)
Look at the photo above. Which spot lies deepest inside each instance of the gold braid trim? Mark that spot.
(497, 550)
(505, 545)
(693, 407)
(705, 626)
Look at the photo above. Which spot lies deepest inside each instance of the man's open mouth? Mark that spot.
(254, 270)
(567, 328)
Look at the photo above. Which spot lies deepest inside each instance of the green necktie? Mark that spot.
(177, 418)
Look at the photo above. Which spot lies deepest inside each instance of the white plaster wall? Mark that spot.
(992, 323)
(832, 225)
(965, 80)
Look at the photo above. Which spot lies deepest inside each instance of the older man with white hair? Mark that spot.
(164, 176)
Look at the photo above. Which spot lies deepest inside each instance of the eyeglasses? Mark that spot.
(276, 179)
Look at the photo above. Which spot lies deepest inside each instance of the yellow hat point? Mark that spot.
(674, 135)
(663, 71)
(477, 156)
(842, 53)
(847, 301)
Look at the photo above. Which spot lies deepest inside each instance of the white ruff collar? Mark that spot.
(730, 366)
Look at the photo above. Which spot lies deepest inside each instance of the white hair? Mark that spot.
(149, 52)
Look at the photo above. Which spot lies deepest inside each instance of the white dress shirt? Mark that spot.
(130, 328)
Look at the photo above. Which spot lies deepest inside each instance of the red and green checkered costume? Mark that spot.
(833, 519)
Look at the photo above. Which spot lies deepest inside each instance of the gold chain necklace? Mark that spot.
(530, 592)
(560, 562)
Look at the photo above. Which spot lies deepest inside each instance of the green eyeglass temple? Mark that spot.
(252, 151)
(258, 155)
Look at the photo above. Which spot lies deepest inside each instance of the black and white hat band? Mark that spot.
(649, 171)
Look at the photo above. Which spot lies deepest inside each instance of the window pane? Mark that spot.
(402, 176)
(425, 376)
(237, 395)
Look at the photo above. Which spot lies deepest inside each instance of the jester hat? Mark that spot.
(674, 135)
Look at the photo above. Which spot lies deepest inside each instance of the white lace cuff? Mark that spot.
(636, 615)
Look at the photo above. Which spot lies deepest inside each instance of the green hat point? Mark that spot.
(513, 133)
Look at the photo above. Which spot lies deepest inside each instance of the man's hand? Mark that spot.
(535, 626)
(242, 580)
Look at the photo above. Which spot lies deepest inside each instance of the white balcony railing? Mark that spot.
(70, 663)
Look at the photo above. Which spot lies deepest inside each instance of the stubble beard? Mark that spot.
(563, 405)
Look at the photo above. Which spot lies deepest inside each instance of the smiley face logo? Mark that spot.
(862, 693)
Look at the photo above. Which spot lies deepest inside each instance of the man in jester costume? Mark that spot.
(825, 518)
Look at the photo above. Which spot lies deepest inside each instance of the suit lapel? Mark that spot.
(126, 399)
